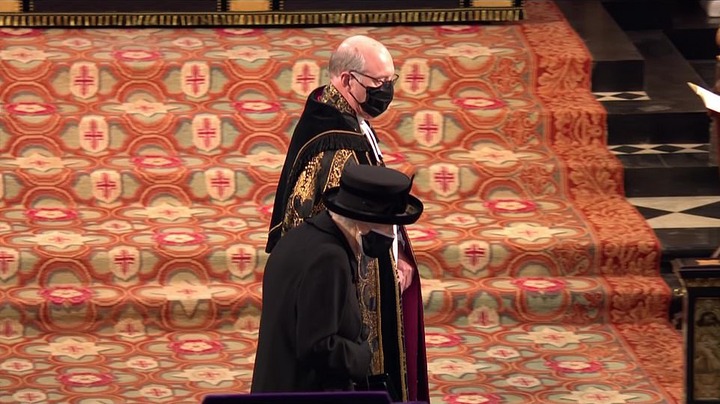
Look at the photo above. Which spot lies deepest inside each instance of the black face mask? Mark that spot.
(375, 245)
(377, 99)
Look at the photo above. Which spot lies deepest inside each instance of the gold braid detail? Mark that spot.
(303, 194)
(332, 96)
(299, 208)
(303, 202)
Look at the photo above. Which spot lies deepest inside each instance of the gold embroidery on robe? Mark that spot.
(300, 206)
(332, 96)
(302, 194)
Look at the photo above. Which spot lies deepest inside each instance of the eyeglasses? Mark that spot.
(378, 82)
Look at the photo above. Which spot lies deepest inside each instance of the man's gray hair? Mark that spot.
(344, 59)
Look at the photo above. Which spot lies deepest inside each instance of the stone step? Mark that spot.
(641, 14)
(668, 174)
(693, 32)
(673, 113)
(617, 65)
(706, 69)
(677, 190)
(687, 243)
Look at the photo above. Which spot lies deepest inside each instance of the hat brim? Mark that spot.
(412, 212)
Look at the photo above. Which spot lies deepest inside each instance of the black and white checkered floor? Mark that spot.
(688, 221)
(679, 211)
(621, 96)
(659, 148)
(676, 188)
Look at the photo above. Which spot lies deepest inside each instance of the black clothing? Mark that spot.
(311, 327)
(321, 128)
(328, 137)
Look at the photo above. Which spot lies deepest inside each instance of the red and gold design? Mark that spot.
(137, 172)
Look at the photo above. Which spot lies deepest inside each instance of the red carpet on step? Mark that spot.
(137, 170)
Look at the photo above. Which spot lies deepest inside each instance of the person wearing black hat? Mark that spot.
(316, 326)
(335, 130)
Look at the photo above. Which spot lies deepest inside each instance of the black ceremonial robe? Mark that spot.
(324, 140)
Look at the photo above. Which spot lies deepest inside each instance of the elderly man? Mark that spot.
(332, 132)
(314, 335)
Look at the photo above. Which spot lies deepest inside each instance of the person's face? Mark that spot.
(373, 239)
(386, 229)
(378, 70)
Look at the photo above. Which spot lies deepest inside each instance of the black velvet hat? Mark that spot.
(374, 194)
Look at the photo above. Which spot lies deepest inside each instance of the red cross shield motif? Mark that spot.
(195, 79)
(428, 128)
(241, 260)
(206, 132)
(220, 183)
(9, 263)
(106, 185)
(444, 179)
(93, 134)
(305, 77)
(474, 255)
(124, 262)
(12, 329)
(415, 76)
(84, 79)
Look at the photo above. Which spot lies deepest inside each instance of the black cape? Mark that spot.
(324, 129)
(321, 128)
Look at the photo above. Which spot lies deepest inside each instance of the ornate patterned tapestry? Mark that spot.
(137, 173)
(123, 13)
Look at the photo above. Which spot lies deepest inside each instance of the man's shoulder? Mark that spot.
(319, 116)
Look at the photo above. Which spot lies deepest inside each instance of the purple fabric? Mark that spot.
(414, 326)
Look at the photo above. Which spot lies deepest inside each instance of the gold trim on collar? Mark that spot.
(331, 96)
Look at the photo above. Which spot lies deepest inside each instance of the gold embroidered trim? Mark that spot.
(369, 282)
(302, 193)
(260, 18)
(400, 333)
(332, 96)
(318, 136)
(304, 190)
